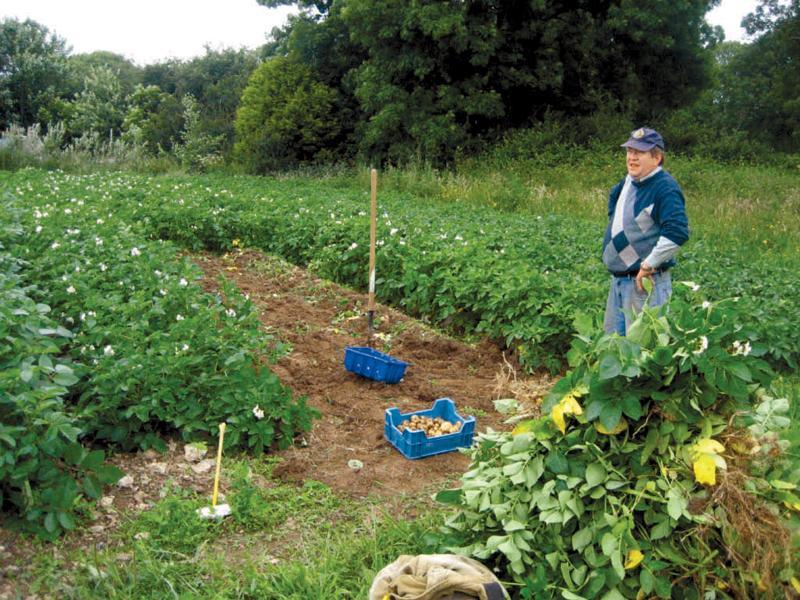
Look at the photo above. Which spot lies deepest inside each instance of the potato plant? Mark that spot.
(655, 470)
(110, 341)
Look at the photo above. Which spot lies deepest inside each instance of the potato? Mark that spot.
(431, 427)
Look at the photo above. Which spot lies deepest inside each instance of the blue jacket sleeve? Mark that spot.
(672, 216)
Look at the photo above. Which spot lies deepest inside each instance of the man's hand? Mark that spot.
(645, 270)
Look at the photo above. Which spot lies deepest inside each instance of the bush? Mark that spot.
(655, 470)
(285, 118)
(198, 150)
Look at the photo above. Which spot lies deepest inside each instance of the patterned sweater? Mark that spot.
(654, 208)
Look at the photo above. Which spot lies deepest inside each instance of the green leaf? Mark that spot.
(66, 520)
(92, 487)
(450, 496)
(26, 374)
(661, 530)
(108, 474)
(512, 526)
(50, 522)
(595, 474)
(741, 371)
(609, 544)
(613, 594)
(610, 415)
(609, 367)
(93, 460)
(582, 538)
(632, 407)
(557, 463)
(676, 503)
(583, 324)
(663, 587)
(594, 408)
(650, 443)
(647, 580)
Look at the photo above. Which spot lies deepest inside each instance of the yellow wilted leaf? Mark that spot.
(571, 406)
(568, 405)
(792, 506)
(795, 584)
(633, 559)
(705, 470)
(619, 428)
(523, 427)
(558, 418)
(708, 446)
(722, 585)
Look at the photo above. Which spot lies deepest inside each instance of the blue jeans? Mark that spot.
(624, 300)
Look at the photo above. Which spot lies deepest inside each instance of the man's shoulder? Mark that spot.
(663, 182)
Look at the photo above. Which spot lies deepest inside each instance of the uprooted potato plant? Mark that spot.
(657, 469)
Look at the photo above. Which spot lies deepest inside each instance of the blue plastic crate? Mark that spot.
(373, 364)
(415, 444)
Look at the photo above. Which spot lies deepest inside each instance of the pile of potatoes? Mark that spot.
(431, 427)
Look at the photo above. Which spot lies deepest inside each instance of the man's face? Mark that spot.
(640, 164)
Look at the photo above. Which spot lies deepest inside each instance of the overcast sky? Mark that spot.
(147, 31)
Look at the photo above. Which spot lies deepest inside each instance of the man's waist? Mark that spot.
(635, 272)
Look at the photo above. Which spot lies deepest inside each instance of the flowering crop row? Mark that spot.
(516, 278)
(135, 349)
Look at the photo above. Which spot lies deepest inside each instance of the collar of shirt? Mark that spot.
(655, 171)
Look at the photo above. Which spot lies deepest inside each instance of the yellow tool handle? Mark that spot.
(219, 464)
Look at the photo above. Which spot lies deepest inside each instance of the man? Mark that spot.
(647, 224)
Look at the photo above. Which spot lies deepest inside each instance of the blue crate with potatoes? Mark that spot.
(374, 364)
(414, 444)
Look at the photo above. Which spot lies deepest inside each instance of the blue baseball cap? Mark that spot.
(644, 139)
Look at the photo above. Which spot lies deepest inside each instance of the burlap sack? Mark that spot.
(436, 577)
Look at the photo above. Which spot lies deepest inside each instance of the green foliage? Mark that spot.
(44, 470)
(154, 119)
(34, 73)
(126, 349)
(99, 107)
(432, 80)
(285, 117)
(612, 505)
(216, 81)
(198, 150)
(82, 65)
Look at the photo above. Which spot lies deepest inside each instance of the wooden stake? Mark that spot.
(373, 228)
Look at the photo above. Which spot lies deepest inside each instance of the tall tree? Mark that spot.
(215, 80)
(99, 107)
(33, 73)
(285, 117)
(434, 76)
(154, 119)
(128, 74)
(770, 67)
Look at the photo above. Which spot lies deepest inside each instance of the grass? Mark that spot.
(281, 542)
(726, 202)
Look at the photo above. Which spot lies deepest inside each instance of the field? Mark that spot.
(143, 310)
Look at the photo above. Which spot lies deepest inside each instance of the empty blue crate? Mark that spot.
(373, 364)
(414, 444)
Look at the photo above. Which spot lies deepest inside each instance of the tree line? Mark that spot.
(398, 80)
